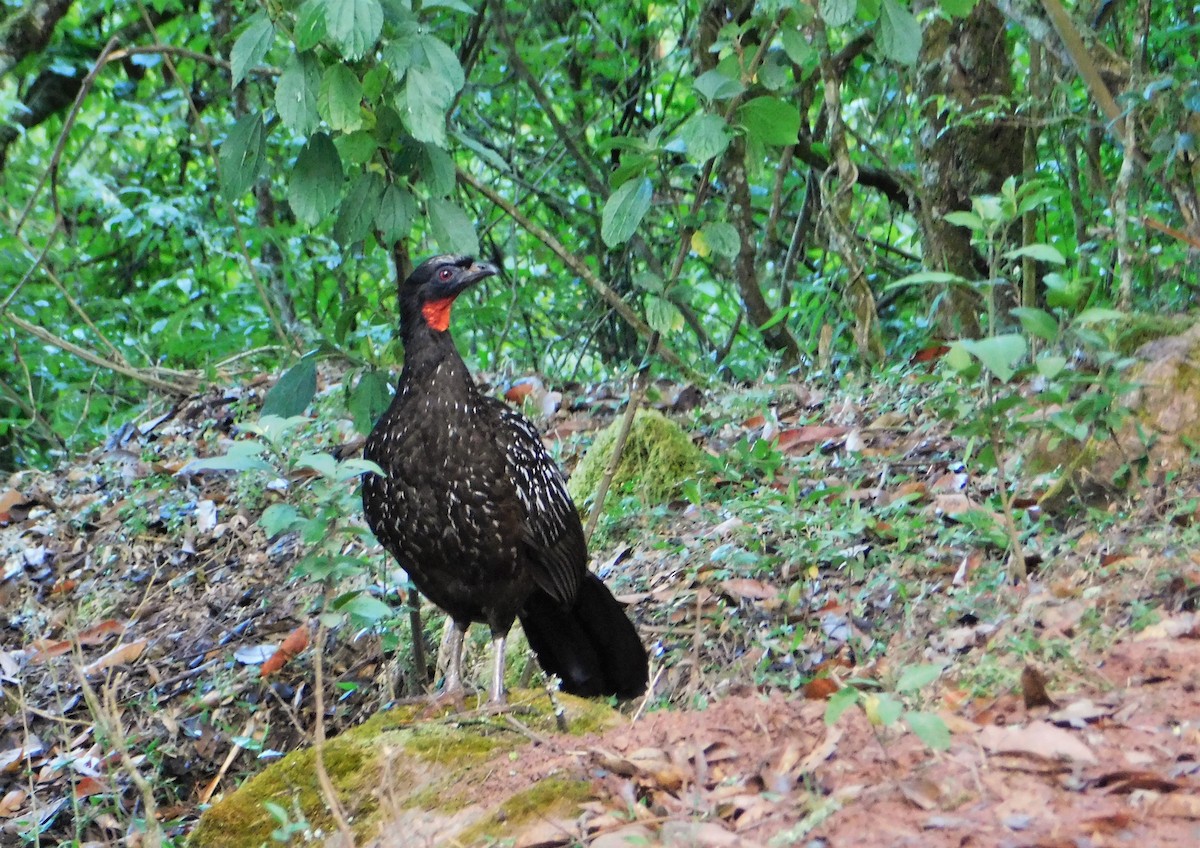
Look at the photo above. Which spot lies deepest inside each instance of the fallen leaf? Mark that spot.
(120, 655)
(1039, 740)
(295, 642)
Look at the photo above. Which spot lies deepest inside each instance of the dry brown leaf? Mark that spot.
(1177, 806)
(295, 642)
(749, 589)
(1039, 739)
(120, 655)
(12, 803)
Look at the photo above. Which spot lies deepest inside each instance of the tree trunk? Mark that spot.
(965, 64)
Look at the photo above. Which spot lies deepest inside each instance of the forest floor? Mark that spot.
(838, 545)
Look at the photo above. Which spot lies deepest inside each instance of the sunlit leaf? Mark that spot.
(704, 136)
(998, 354)
(252, 45)
(714, 85)
(916, 677)
(340, 98)
(1039, 252)
(899, 36)
(354, 25)
(722, 238)
(837, 13)
(421, 109)
(1037, 322)
(624, 210)
(930, 728)
(770, 120)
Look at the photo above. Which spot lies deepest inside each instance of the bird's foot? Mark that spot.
(447, 701)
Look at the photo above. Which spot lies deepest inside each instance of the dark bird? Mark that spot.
(475, 510)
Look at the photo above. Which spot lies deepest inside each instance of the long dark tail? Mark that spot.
(592, 646)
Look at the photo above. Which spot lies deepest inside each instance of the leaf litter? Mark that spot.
(166, 597)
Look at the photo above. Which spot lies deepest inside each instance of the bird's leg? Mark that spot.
(453, 645)
(496, 696)
(452, 688)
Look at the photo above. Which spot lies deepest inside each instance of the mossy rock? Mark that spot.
(398, 771)
(1159, 436)
(658, 457)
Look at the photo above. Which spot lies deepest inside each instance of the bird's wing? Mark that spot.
(552, 530)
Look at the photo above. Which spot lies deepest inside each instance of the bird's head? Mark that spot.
(430, 289)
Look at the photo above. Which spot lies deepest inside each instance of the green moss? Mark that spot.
(657, 459)
(1135, 329)
(242, 820)
(431, 765)
(546, 798)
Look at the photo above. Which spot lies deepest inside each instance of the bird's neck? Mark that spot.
(430, 356)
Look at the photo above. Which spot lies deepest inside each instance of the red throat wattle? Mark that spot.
(437, 313)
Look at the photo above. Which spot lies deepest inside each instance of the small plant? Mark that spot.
(885, 709)
(319, 514)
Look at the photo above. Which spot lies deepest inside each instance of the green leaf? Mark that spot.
(998, 354)
(438, 171)
(899, 33)
(958, 359)
(837, 13)
(840, 701)
(624, 210)
(1038, 252)
(397, 209)
(242, 456)
(456, 5)
(1050, 365)
(704, 136)
(714, 85)
(360, 208)
(662, 315)
(722, 239)
(958, 8)
(796, 45)
(293, 391)
(310, 25)
(1037, 322)
(452, 229)
(348, 469)
(886, 710)
(243, 155)
(315, 183)
(926, 278)
(252, 45)
(340, 98)
(443, 64)
(365, 608)
(421, 108)
(354, 25)
(770, 120)
(916, 677)
(1097, 315)
(322, 463)
(297, 92)
(965, 219)
(279, 518)
(930, 729)
(369, 400)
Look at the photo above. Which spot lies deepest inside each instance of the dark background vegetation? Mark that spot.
(199, 191)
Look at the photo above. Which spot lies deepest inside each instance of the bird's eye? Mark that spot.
(445, 274)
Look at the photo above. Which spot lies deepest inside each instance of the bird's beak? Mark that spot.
(478, 271)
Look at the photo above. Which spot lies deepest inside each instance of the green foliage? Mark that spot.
(884, 709)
